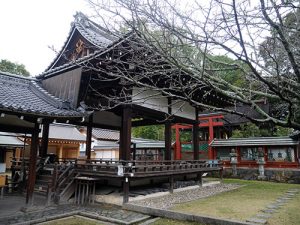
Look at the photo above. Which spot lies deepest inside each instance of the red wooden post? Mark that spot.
(177, 143)
(211, 137)
(32, 164)
(211, 124)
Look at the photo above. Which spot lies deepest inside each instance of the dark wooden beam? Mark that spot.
(168, 133)
(16, 129)
(125, 134)
(134, 151)
(32, 164)
(95, 125)
(196, 141)
(178, 119)
(168, 140)
(196, 136)
(89, 130)
(45, 138)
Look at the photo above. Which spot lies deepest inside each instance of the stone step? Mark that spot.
(269, 210)
(257, 220)
(290, 194)
(273, 206)
(263, 215)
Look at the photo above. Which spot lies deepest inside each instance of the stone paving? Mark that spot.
(196, 192)
(262, 217)
(98, 211)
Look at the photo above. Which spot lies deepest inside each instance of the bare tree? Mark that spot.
(178, 43)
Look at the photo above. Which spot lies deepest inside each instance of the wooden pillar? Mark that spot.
(45, 139)
(125, 135)
(18, 153)
(89, 130)
(60, 151)
(32, 164)
(134, 152)
(210, 137)
(126, 190)
(196, 141)
(177, 143)
(195, 135)
(168, 140)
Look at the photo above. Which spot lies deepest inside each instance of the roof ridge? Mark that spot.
(15, 77)
(82, 22)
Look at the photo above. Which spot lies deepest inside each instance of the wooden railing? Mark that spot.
(117, 168)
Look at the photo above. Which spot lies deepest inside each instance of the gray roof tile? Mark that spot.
(254, 141)
(24, 95)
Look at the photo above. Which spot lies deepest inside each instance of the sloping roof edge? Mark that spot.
(259, 141)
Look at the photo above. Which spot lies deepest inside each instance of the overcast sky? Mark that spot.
(28, 27)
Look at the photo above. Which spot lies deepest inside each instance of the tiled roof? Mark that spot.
(104, 134)
(10, 139)
(233, 119)
(65, 132)
(110, 138)
(255, 141)
(94, 33)
(139, 142)
(25, 95)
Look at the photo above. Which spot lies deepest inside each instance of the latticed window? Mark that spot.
(281, 153)
(249, 153)
(223, 153)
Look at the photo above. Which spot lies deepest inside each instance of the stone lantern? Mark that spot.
(261, 162)
(233, 162)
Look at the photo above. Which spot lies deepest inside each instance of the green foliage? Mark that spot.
(282, 131)
(186, 136)
(250, 130)
(229, 70)
(155, 132)
(14, 68)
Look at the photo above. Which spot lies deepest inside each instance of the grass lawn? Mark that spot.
(173, 222)
(74, 220)
(242, 203)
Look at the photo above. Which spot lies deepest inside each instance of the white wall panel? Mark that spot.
(150, 99)
(183, 109)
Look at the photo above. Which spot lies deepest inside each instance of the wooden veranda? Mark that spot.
(80, 175)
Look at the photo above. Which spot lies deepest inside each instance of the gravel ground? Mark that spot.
(167, 201)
